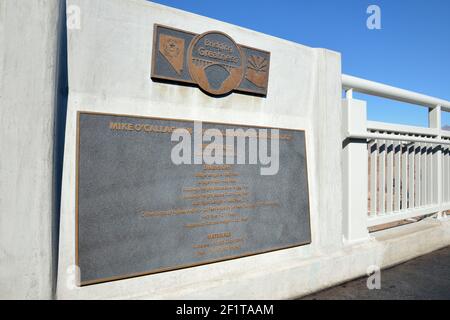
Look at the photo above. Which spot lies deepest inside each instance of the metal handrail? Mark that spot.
(389, 92)
(388, 136)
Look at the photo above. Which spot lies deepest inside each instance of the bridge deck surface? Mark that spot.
(426, 277)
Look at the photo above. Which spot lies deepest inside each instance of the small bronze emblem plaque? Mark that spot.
(139, 213)
(211, 60)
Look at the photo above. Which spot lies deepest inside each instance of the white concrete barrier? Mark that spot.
(109, 71)
(28, 82)
(109, 60)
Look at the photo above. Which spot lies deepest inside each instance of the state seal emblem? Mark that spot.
(216, 63)
(211, 60)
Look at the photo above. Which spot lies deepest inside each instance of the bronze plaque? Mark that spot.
(211, 60)
(139, 213)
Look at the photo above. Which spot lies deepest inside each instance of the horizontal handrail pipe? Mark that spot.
(393, 93)
(403, 129)
(402, 215)
(387, 136)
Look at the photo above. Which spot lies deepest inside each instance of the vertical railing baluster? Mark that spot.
(404, 185)
(436, 177)
(423, 174)
(382, 178)
(435, 155)
(418, 175)
(411, 191)
(444, 174)
(389, 176)
(373, 178)
(397, 182)
(430, 174)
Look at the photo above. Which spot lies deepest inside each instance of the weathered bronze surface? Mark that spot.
(212, 60)
(172, 49)
(138, 213)
(216, 63)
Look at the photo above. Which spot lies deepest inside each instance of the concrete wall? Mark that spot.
(28, 71)
(109, 71)
(109, 59)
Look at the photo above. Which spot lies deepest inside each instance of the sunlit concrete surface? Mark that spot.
(109, 54)
(28, 79)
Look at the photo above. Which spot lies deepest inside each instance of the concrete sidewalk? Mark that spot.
(426, 277)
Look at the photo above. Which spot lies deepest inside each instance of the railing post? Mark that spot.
(355, 170)
(435, 122)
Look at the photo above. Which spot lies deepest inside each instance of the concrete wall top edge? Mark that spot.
(215, 21)
(110, 58)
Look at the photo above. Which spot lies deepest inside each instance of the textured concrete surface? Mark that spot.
(109, 71)
(304, 93)
(28, 82)
(426, 277)
(308, 99)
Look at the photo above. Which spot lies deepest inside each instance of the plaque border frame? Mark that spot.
(185, 266)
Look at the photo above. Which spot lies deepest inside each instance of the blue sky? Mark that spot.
(411, 51)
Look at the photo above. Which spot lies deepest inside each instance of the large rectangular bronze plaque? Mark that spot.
(138, 213)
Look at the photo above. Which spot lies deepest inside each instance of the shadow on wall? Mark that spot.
(62, 90)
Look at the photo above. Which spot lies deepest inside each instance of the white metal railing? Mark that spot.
(381, 90)
(392, 172)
